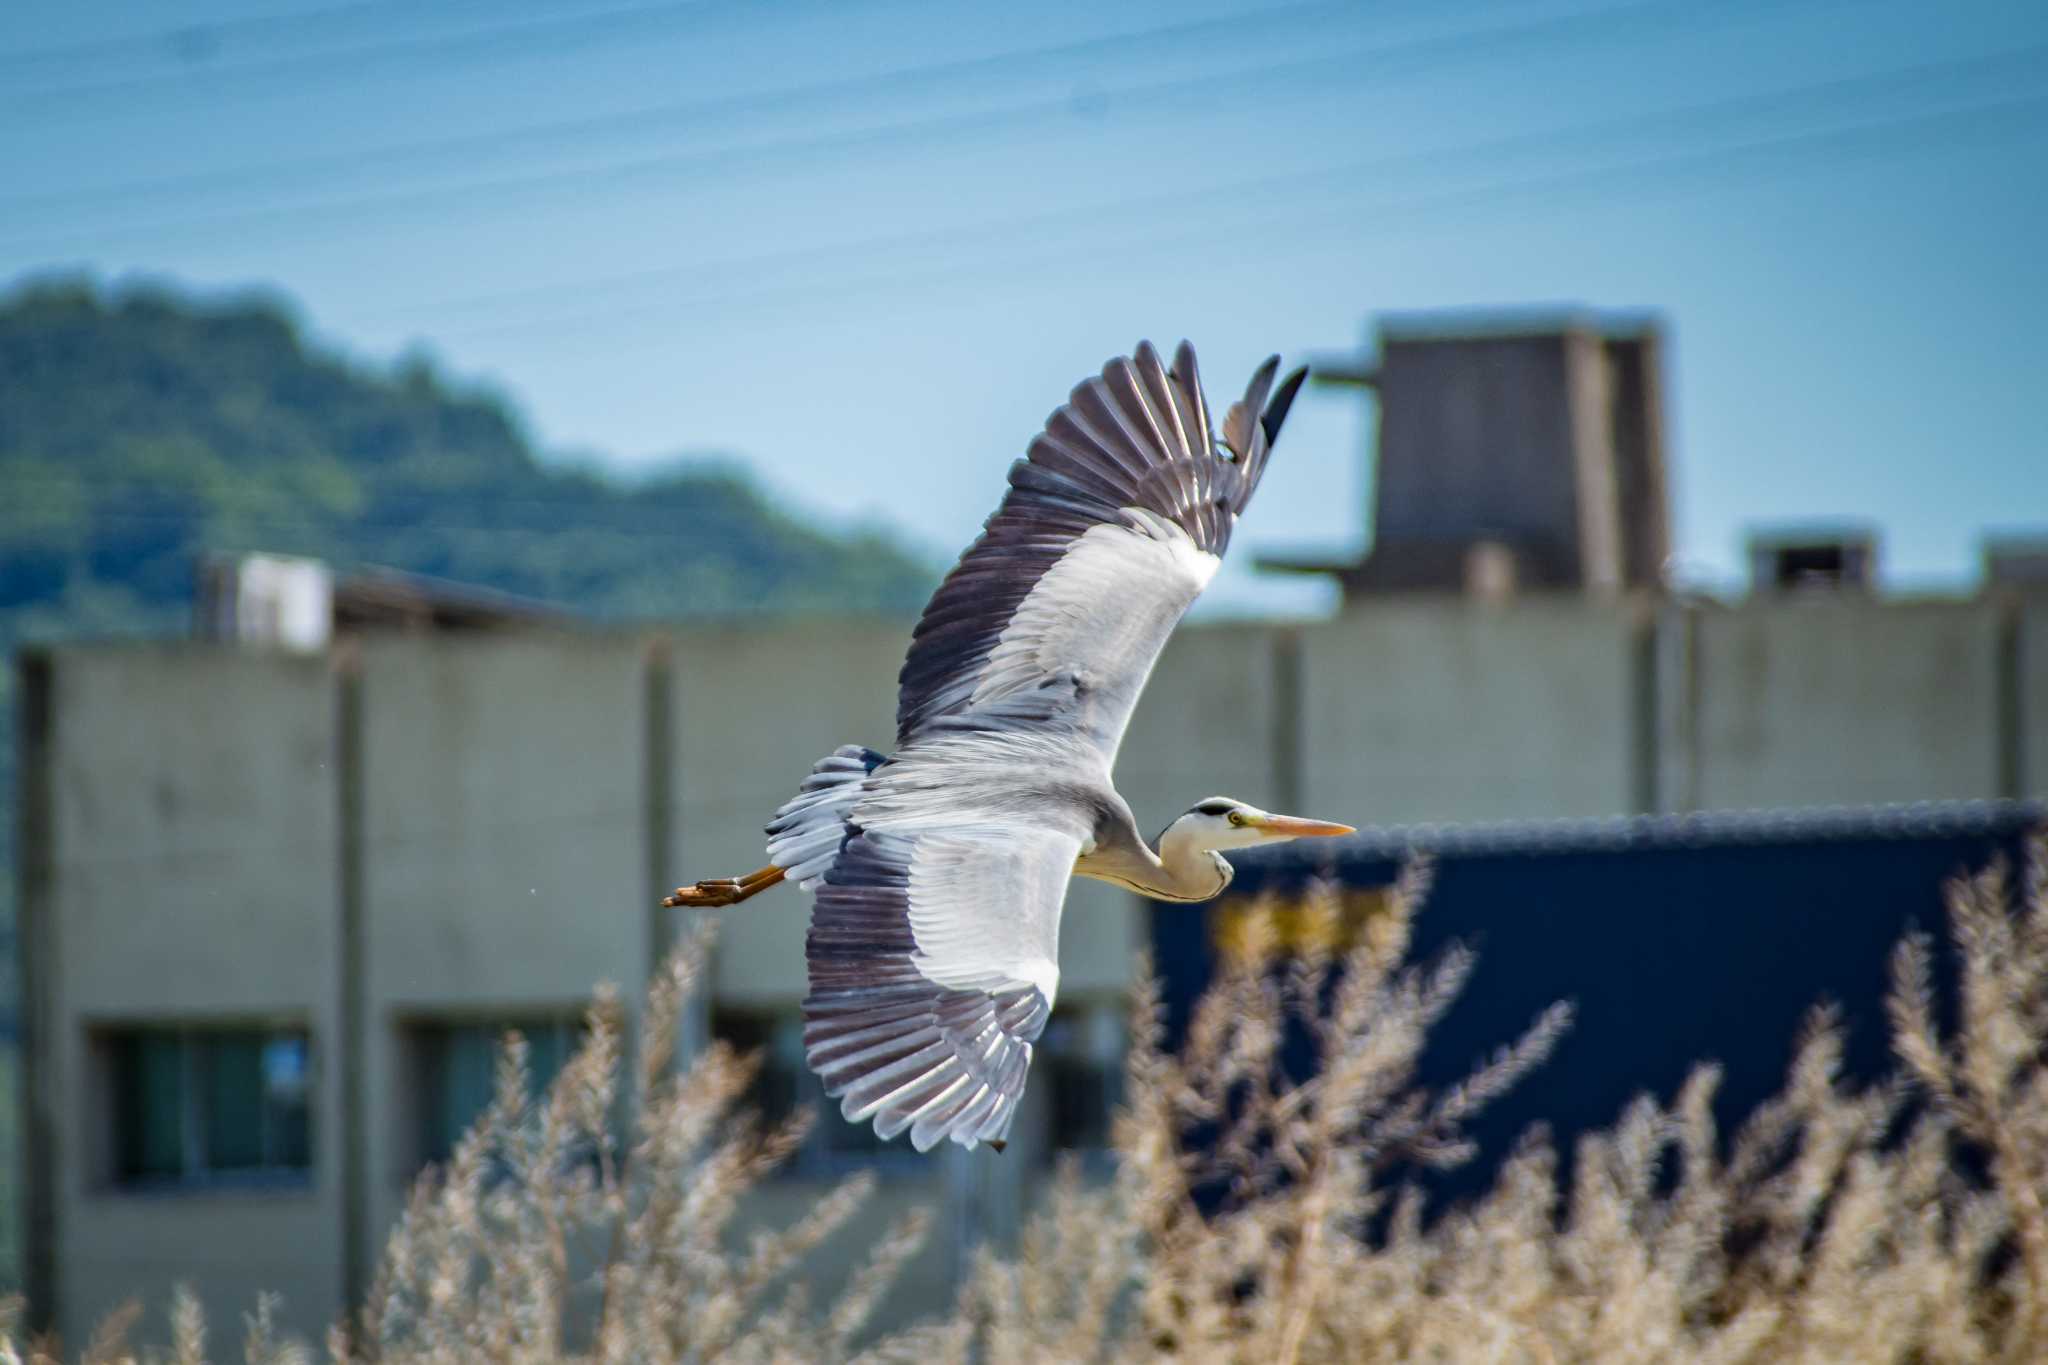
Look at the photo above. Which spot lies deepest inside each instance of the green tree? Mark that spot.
(141, 430)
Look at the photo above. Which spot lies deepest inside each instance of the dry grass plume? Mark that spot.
(1263, 1218)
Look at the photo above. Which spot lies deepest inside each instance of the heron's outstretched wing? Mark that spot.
(1114, 522)
(932, 963)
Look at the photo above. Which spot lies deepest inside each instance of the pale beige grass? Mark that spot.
(1899, 1221)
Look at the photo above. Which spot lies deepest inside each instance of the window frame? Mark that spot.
(1086, 1041)
(425, 1039)
(112, 1045)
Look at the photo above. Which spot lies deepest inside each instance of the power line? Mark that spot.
(207, 33)
(547, 33)
(1879, 136)
(683, 112)
(1354, 221)
(1971, 71)
(1256, 191)
(1272, 82)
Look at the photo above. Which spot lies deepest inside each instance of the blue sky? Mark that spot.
(867, 245)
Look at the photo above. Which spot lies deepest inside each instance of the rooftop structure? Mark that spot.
(1813, 558)
(2016, 562)
(301, 604)
(1514, 452)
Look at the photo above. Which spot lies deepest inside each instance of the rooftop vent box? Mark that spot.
(267, 600)
(2017, 562)
(1825, 561)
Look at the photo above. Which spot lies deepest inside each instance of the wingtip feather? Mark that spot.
(1277, 406)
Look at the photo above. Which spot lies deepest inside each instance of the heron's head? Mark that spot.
(1223, 822)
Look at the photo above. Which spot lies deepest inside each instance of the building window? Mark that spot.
(776, 1038)
(834, 1141)
(1079, 1060)
(458, 1070)
(783, 1084)
(197, 1106)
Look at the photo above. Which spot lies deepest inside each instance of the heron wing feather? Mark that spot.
(805, 836)
(932, 958)
(1114, 522)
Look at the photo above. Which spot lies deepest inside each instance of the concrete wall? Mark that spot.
(192, 877)
(503, 872)
(1835, 700)
(752, 710)
(2031, 699)
(1546, 437)
(1479, 432)
(1441, 709)
(483, 825)
(1214, 720)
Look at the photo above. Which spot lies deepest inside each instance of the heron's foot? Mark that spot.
(722, 891)
(707, 894)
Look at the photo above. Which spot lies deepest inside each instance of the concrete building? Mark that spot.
(290, 899)
(278, 900)
(1519, 451)
(271, 948)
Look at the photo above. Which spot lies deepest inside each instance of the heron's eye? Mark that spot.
(1236, 817)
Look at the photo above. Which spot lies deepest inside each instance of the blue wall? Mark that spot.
(1678, 940)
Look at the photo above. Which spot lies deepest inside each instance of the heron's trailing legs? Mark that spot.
(723, 890)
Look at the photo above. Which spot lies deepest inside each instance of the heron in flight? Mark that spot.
(938, 871)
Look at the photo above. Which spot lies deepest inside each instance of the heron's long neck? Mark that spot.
(1179, 871)
(1175, 871)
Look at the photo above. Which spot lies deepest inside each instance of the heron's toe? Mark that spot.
(711, 892)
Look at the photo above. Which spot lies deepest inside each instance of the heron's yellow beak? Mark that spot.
(1294, 827)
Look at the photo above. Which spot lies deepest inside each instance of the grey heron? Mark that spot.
(938, 871)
